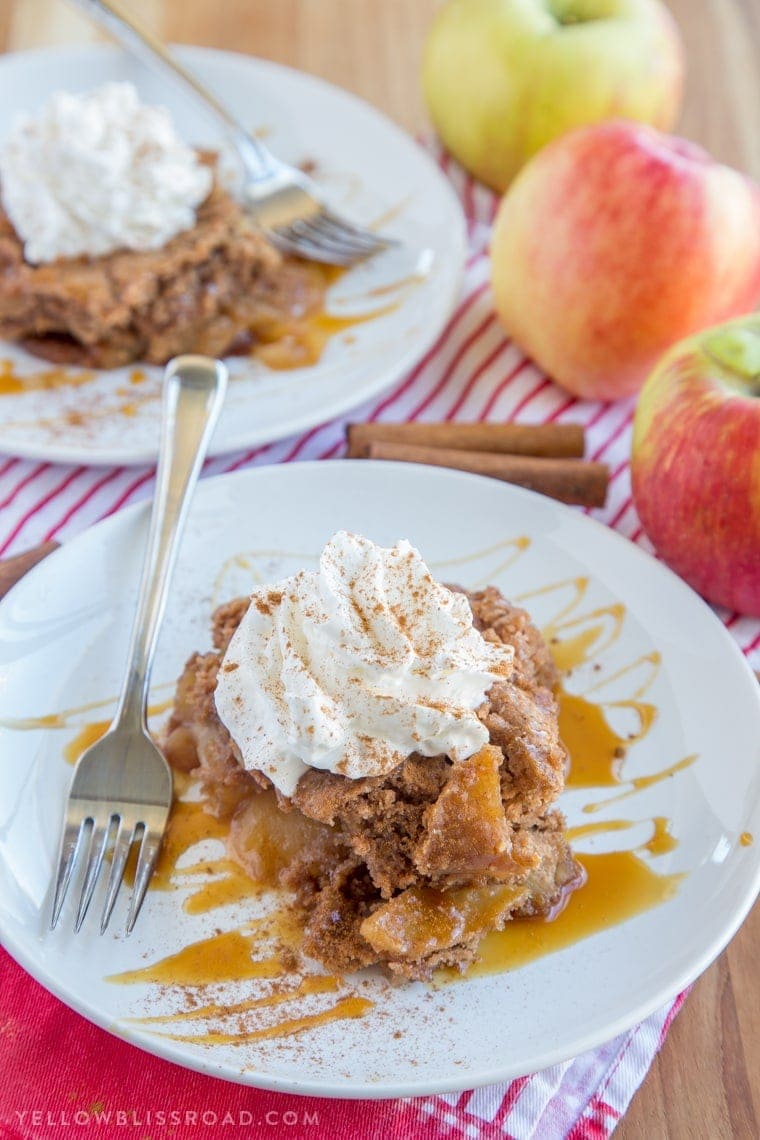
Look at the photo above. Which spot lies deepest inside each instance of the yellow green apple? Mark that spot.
(695, 463)
(503, 77)
(613, 243)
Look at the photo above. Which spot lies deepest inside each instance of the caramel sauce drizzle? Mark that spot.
(389, 215)
(662, 841)
(600, 627)
(596, 751)
(347, 1007)
(588, 643)
(188, 826)
(232, 886)
(392, 287)
(68, 717)
(88, 734)
(92, 731)
(226, 956)
(300, 342)
(298, 339)
(32, 723)
(223, 957)
(619, 885)
(515, 546)
(343, 1010)
(316, 984)
(214, 882)
(90, 413)
(246, 560)
(648, 664)
(14, 384)
(602, 827)
(639, 783)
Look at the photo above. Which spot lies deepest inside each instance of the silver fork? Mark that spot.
(285, 203)
(121, 790)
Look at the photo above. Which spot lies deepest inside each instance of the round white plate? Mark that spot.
(369, 170)
(63, 633)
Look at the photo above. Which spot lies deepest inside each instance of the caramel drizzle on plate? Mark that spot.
(300, 343)
(639, 783)
(225, 957)
(13, 383)
(316, 984)
(229, 957)
(619, 885)
(508, 550)
(344, 1009)
(68, 718)
(91, 731)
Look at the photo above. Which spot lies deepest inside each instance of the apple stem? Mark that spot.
(736, 350)
(564, 14)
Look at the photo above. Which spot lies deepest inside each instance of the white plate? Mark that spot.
(63, 632)
(368, 168)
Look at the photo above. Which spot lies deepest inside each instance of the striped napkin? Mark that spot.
(63, 1076)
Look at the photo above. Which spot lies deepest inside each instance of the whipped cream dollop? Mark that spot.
(91, 174)
(354, 666)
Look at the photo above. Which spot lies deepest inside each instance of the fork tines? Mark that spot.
(87, 838)
(326, 237)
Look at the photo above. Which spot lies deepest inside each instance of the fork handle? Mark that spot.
(194, 388)
(141, 42)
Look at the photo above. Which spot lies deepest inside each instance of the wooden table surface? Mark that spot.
(706, 1080)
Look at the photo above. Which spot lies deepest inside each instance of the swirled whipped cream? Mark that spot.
(91, 174)
(354, 666)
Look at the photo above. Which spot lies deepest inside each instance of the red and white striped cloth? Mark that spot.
(473, 372)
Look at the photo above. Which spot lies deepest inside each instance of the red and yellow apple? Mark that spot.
(695, 463)
(504, 77)
(615, 242)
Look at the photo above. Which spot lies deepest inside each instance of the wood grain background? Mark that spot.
(705, 1083)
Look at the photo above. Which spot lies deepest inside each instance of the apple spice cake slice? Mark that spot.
(209, 289)
(411, 868)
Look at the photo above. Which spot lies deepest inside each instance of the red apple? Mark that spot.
(615, 242)
(696, 462)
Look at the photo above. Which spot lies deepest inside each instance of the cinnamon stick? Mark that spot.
(548, 440)
(569, 480)
(13, 569)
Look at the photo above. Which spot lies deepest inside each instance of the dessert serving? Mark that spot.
(119, 243)
(388, 749)
(215, 975)
(339, 335)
